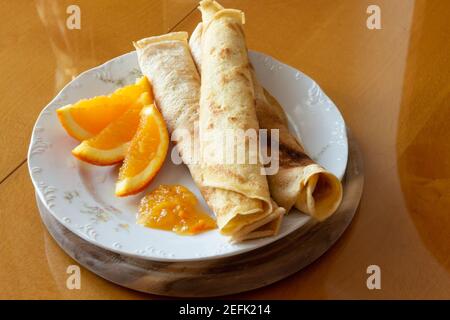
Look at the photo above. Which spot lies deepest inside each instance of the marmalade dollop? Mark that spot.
(174, 208)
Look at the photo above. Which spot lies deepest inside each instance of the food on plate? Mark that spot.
(146, 153)
(87, 117)
(133, 124)
(227, 105)
(300, 182)
(167, 62)
(110, 145)
(174, 208)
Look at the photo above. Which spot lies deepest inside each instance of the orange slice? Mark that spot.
(146, 153)
(111, 144)
(87, 117)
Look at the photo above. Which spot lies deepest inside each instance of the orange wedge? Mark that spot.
(146, 153)
(87, 117)
(111, 144)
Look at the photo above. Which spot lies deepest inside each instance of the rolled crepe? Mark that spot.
(167, 63)
(227, 107)
(299, 182)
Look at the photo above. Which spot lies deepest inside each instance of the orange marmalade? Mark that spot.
(174, 208)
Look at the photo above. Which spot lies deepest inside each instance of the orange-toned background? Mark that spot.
(392, 86)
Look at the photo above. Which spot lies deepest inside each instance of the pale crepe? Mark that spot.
(300, 182)
(167, 63)
(227, 106)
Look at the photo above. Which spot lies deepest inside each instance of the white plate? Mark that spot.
(81, 196)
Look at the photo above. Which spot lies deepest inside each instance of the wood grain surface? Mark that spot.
(391, 85)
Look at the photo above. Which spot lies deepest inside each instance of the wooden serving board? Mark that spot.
(222, 276)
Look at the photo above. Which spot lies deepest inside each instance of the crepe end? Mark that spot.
(321, 195)
(173, 36)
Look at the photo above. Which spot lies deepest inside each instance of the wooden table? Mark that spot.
(392, 86)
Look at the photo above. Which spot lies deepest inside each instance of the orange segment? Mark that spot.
(174, 208)
(145, 155)
(88, 117)
(111, 144)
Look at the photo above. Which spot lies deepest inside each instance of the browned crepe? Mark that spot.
(167, 63)
(300, 182)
